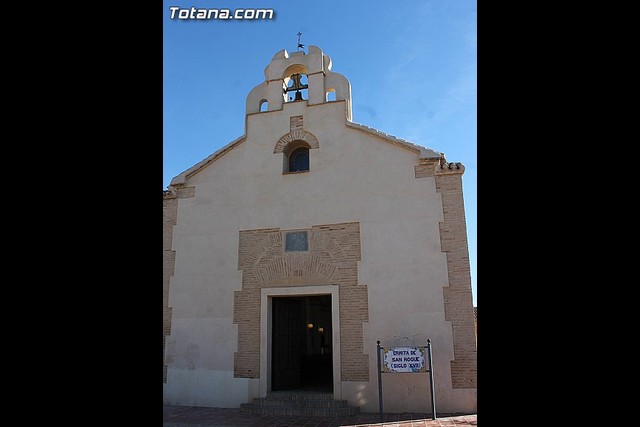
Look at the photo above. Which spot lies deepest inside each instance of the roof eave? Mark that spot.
(423, 152)
(182, 178)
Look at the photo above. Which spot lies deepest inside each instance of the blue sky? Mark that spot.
(412, 67)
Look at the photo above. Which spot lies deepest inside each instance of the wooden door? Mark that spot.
(288, 340)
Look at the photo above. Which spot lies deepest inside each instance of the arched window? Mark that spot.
(299, 160)
(295, 154)
(331, 95)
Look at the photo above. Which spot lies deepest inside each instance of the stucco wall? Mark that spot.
(353, 177)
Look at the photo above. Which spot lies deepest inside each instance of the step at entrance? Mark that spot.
(300, 403)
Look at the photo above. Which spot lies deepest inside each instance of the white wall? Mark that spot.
(354, 177)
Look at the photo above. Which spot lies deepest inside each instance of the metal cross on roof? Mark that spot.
(300, 45)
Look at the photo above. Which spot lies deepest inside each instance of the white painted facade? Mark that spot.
(355, 175)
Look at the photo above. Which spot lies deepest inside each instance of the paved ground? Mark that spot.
(193, 416)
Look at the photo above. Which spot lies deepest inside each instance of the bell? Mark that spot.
(296, 81)
(298, 96)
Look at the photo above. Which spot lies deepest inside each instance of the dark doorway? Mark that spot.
(301, 343)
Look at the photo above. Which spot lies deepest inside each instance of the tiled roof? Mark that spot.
(182, 178)
(425, 153)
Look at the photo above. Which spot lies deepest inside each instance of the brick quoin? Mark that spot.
(458, 299)
(169, 220)
(169, 214)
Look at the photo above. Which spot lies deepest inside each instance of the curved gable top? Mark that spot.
(315, 64)
(322, 80)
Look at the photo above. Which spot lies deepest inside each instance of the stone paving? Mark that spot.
(194, 416)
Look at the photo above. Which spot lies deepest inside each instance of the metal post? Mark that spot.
(379, 382)
(433, 396)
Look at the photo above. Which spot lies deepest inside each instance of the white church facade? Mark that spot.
(292, 250)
